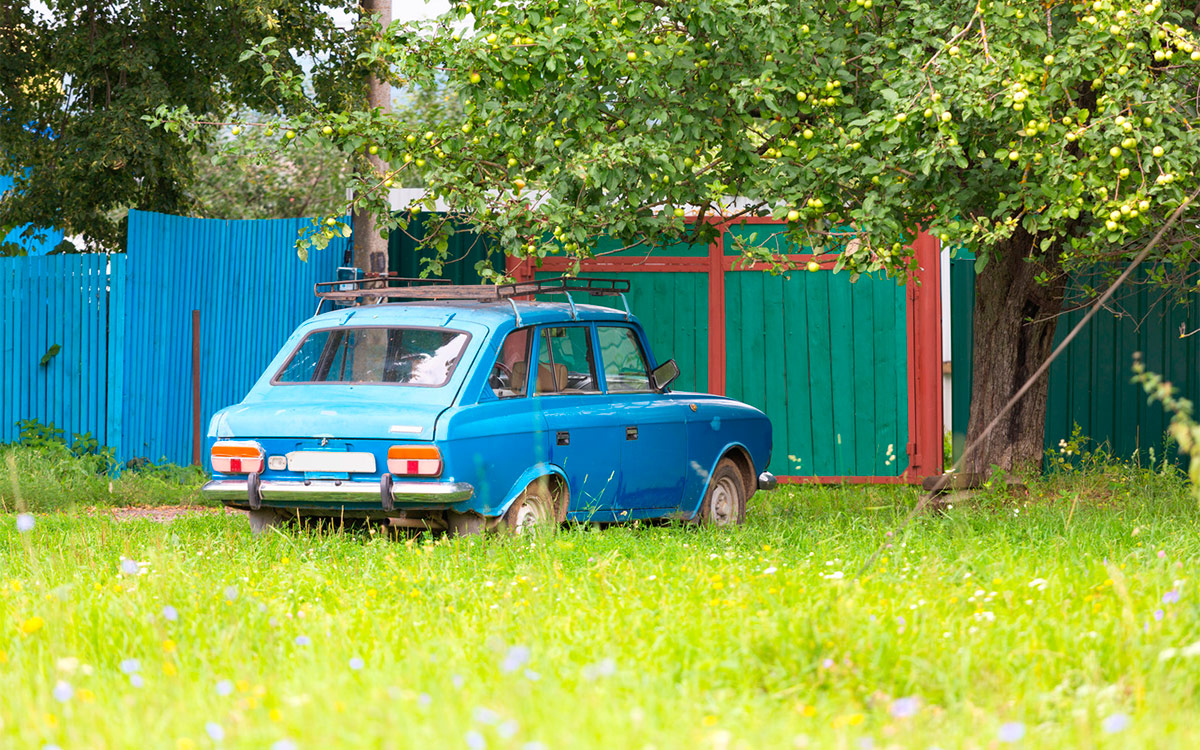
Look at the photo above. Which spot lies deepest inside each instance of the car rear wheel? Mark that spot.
(265, 518)
(725, 502)
(539, 507)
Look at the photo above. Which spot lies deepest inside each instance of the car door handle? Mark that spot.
(564, 437)
(631, 433)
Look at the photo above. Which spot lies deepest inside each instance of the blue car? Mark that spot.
(467, 408)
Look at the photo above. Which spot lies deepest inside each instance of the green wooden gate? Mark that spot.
(848, 373)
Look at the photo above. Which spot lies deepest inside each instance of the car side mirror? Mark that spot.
(664, 375)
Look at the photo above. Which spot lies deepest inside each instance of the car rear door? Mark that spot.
(583, 432)
(651, 425)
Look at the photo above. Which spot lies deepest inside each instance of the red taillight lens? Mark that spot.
(414, 461)
(235, 457)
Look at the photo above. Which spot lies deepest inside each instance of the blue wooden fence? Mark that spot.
(58, 301)
(124, 327)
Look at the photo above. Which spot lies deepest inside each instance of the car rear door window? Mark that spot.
(625, 368)
(511, 371)
(566, 363)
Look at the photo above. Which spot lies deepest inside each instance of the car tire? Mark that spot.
(265, 518)
(725, 501)
(537, 508)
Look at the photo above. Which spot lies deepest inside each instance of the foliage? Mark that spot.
(1073, 621)
(76, 79)
(245, 177)
(1067, 122)
(1183, 428)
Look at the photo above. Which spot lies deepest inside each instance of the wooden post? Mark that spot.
(716, 313)
(925, 362)
(197, 433)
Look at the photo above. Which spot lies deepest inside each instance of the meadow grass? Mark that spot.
(50, 476)
(1065, 616)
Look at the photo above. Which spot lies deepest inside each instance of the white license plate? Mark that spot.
(331, 461)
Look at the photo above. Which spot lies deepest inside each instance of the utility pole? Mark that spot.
(371, 250)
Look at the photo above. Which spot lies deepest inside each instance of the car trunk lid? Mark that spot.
(371, 420)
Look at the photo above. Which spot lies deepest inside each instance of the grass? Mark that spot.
(50, 477)
(1053, 613)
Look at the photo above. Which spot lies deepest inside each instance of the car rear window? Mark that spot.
(374, 354)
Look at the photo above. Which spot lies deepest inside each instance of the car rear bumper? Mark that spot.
(329, 493)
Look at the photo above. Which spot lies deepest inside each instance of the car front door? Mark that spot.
(652, 426)
(583, 434)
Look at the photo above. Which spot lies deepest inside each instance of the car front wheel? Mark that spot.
(725, 502)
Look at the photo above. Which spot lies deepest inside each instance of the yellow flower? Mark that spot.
(169, 669)
(275, 715)
(847, 720)
(710, 720)
(51, 720)
(3, 656)
(242, 685)
(809, 711)
(185, 743)
(16, 585)
(168, 646)
(32, 625)
(85, 695)
(284, 560)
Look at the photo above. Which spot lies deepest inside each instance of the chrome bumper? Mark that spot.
(325, 492)
(767, 481)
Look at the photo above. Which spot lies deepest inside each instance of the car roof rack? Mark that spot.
(382, 289)
(389, 288)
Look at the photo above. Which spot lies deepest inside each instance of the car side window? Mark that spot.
(566, 363)
(511, 371)
(625, 368)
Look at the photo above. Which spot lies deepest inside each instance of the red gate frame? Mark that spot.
(924, 323)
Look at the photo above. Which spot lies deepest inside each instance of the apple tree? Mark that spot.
(1046, 136)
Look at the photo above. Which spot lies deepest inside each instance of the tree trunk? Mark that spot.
(1015, 318)
(371, 250)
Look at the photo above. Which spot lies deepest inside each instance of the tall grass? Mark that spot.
(52, 477)
(1061, 614)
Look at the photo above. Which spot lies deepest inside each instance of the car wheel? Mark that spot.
(264, 518)
(538, 507)
(725, 502)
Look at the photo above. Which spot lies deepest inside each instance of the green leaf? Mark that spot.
(49, 355)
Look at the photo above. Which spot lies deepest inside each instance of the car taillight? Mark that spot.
(414, 461)
(237, 457)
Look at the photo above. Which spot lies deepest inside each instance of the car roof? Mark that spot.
(491, 314)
